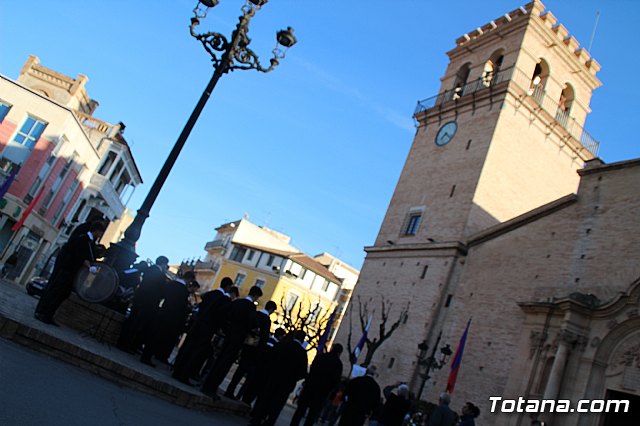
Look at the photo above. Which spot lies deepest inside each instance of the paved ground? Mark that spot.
(18, 325)
(39, 390)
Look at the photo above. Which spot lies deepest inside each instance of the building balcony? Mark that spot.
(215, 245)
(520, 83)
(206, 265)
(107, 192)
(94, 123)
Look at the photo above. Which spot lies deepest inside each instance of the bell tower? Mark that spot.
(503, 136)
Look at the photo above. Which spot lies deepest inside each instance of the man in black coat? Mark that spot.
(324, 375)
(77, 253)
(196, 348)
(139, 325)
(213, 296)
(362, 397)
(287, 365)
(396, 406)
(256, 380)
(242, 320)
(171, 321)
(251, 353)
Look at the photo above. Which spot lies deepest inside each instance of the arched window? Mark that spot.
(461, 79)
(539, 81)
(492, 67)
(564, 105)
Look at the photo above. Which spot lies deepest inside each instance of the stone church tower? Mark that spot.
(497, 149)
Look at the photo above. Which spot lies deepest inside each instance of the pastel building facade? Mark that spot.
(69, 164)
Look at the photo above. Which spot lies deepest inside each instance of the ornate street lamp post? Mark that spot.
(430, 362)
(226, 55)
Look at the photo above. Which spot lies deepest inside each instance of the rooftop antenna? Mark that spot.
(593, 34)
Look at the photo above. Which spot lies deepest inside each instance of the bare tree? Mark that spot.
(306, 316)
(385, 329)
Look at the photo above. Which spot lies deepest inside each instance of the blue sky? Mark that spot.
(313, 149)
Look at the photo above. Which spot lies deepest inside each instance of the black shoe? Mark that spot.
(45, 319)
(182, 379)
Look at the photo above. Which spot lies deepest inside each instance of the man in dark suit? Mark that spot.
(211, 297)
(256, 380)
(362, 397)
(324, 376)
(144, 306)
(287, 365)
(196, 348)
(251, 353)
(77, 253)
(242, 320)
(140, 324)
(171, 320)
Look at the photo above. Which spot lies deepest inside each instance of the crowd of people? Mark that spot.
(201, 337)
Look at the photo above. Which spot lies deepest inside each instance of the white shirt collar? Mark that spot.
(221, 291)
(264, 311)
(90, 236)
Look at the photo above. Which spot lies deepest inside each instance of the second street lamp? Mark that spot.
(226, 55)
(430, 362)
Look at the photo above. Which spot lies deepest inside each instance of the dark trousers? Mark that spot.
(270, 403)
(308, 407)
(57, 291)
(244, 370)
(253, 383)
(222, 365)
(352, 417)
(195, 350)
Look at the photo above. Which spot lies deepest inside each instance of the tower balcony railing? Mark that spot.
(522, 80)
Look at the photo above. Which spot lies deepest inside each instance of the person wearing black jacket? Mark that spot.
(77, 253)
(287, 365)
(211, 297)
(362, 397)
(251, 353)
(241, 321)
(469, 413)
(196, 348)
(396, 405)
(324, 376)
(140, 323)
(256, 380)
(171, 319)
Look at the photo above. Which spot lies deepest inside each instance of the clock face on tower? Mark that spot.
(446, 133)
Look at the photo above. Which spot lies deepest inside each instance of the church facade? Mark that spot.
(504, 214)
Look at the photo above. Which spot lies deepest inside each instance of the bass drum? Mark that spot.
(96, 287)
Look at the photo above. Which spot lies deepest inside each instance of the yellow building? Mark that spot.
(254, 255)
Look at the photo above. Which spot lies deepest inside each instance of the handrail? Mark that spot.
(523, 81)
